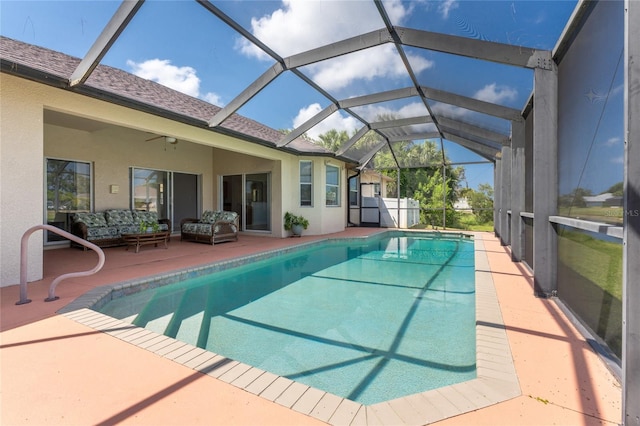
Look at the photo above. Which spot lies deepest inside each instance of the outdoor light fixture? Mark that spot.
(171, 140)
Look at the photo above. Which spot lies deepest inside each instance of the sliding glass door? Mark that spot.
(68, 189)
(150, 190)
(172, 195)
(249, 195)
(257, 205)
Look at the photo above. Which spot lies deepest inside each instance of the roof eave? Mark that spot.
(49, 79)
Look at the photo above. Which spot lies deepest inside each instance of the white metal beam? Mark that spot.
(413, 136)
(631, 229)
(105, 40)
(545, 181)
(355, 138)
(246, 95)
(379, 97)
(298, 131)
(501, 53)
(369, 155)
(482, 150)
(473, 104)
(465, 127)
(343, 47)
(401, 122)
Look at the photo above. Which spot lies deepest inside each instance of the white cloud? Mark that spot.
(183, 79)
(335, 121)
(448, 110)
(300, 25)
(381, 61)
(496, 94)
(213, 98)
(446, 6)
(617, 90)
(612, 141)
(618, 160)
(372, 112)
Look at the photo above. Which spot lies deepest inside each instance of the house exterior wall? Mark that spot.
(21, 172)
(322, 219)
(234, 163)
(114, 150)
(25, 141)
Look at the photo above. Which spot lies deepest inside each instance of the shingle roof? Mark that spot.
(20, 58)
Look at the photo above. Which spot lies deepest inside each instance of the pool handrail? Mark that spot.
(52, 288)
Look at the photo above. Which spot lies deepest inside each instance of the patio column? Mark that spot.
(545, 180)
(631, 253)
(497, 196)
(505, 195)
(517, 189)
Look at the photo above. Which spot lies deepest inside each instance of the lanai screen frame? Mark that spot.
(506, 151)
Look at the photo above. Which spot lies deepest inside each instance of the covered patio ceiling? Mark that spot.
(396, 76)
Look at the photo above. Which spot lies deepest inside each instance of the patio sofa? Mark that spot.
(105, 229)
(213, 227)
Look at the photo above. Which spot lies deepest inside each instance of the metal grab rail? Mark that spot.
(52, 288)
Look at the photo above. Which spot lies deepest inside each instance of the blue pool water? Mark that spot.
(368, 320)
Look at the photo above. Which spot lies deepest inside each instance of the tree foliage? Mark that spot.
(481, 202)
(421, 172)
(575, 198)
(616, 189)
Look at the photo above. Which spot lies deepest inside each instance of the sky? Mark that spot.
(181, 45)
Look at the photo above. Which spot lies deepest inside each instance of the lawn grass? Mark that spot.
(464, 222)
(612, 215)
(597, 260)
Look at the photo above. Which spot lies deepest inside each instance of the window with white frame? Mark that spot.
(353, 191)
(306, 183)
(332, 186)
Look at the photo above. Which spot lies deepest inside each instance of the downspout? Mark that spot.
(398, 194)
(349, 223)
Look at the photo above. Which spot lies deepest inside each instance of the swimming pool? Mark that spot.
(368, 320)
(496, 379)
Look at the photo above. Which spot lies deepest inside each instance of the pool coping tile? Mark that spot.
(496, 381)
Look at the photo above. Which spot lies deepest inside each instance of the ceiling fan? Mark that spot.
(167, 140)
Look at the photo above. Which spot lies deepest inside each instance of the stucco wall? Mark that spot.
(21, 171)
(322, 219)
(26, 141)
(114, 150)
(285, 182)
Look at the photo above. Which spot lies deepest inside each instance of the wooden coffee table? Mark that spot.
(146, 239)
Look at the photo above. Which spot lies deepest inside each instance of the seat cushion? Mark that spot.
(197, 228)
(90, 219)
(128, 229)
(147, 217)
(209, 216)
(102, 232)
(119, 217)
(228, 216)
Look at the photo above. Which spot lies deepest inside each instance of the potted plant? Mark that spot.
(295, 224)
(149, 227)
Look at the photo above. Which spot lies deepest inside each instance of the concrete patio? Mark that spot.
(57, 371)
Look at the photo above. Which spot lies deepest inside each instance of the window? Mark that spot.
(306, 183)
(149, 191)
(333, 186)
(353, 191)
(69, 190)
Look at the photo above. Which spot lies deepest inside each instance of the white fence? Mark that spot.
(407, 216)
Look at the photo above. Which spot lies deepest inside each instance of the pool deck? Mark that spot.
(55, 370)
